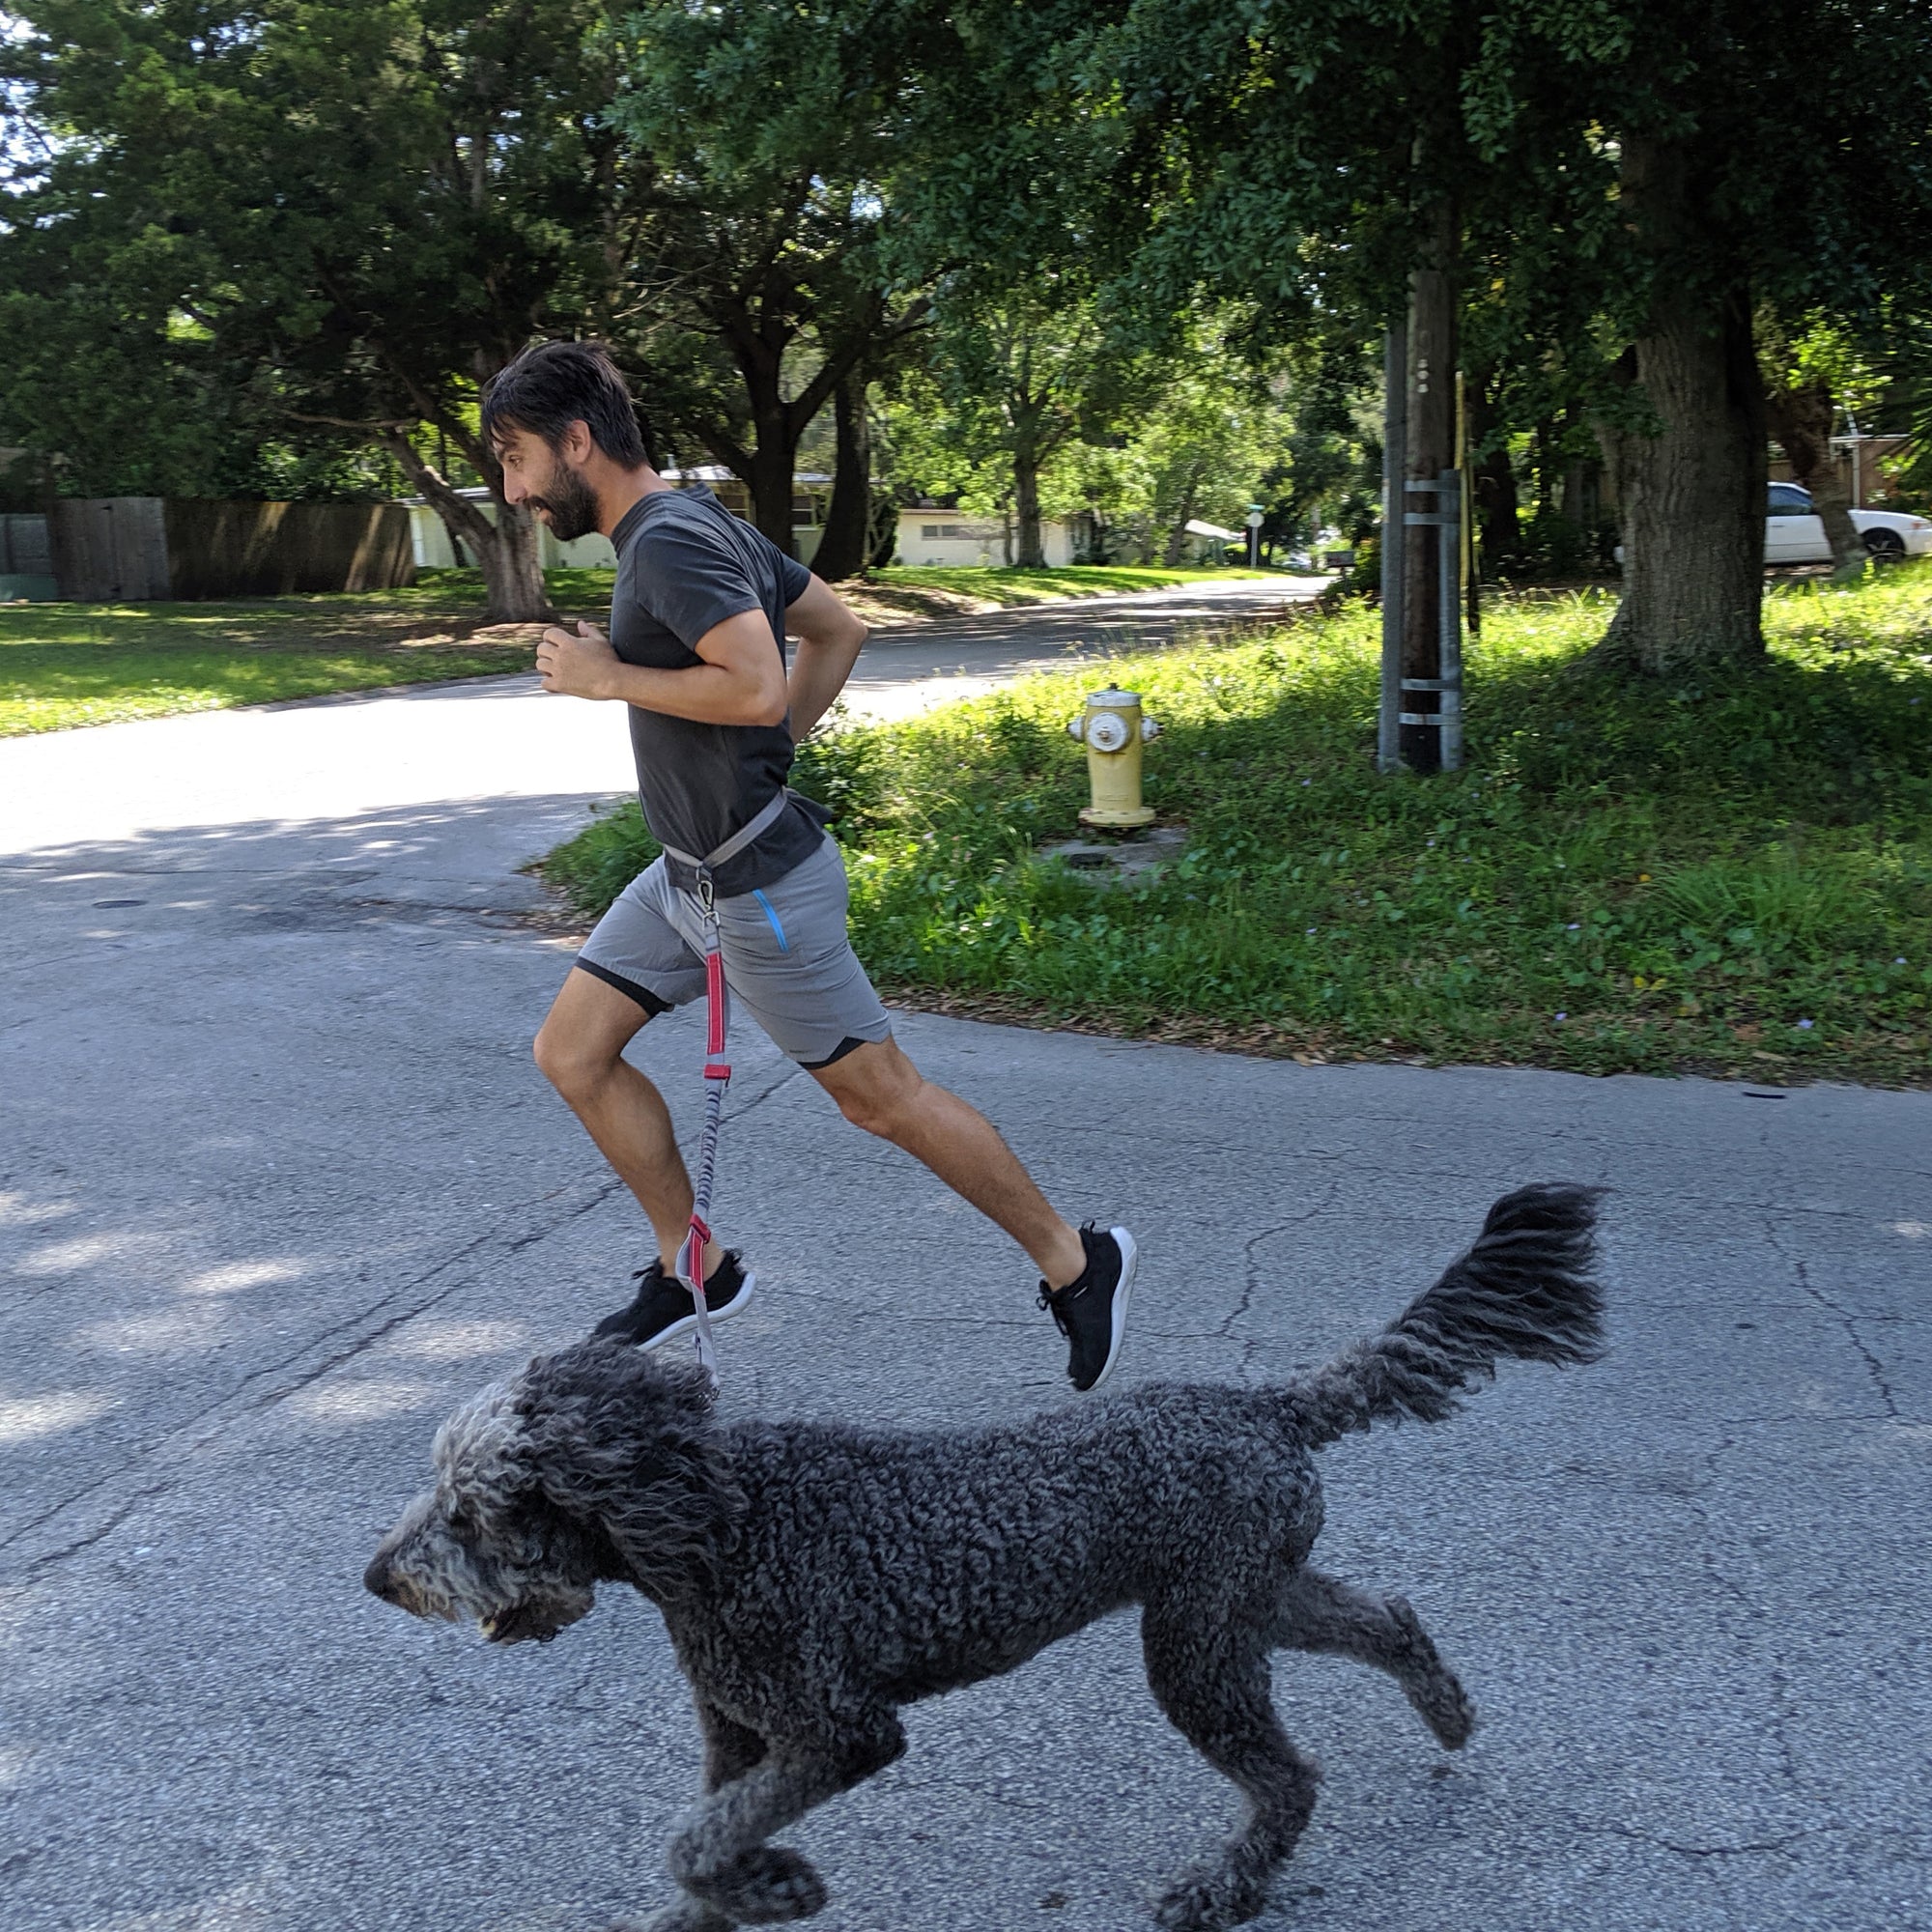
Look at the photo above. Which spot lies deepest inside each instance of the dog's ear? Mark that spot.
(624, 1439)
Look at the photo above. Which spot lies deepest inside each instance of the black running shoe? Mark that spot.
(663, 1310)
(1091, 1313)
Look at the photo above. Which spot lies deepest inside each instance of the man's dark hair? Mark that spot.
(555, 384)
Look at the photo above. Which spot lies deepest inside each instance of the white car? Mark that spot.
(1794, 532)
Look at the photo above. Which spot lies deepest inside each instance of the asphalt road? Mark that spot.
(278, 1184)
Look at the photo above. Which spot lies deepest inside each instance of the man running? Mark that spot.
(702, 608)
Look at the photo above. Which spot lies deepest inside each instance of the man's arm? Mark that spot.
(830, 636)
(741, 680)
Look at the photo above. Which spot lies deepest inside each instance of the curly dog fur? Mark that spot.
(815, 1577)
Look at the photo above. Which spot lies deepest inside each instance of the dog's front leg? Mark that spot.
(720, 1854)
(730, 1748)
(730, 1751)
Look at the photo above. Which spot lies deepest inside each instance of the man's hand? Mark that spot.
(579, 663)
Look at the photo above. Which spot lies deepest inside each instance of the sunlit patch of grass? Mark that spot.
(63, 665)
(1732, 872)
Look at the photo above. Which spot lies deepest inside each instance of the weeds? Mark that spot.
(1732, 873)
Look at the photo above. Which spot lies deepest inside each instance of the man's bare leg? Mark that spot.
(877, 1088)
(581, 1049)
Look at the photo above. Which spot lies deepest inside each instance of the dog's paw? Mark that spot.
(1430, 1686)
(1209, 1900)
(767, 1886)
(1447, 1709)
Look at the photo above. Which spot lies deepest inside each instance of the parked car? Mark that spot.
(1794, 532)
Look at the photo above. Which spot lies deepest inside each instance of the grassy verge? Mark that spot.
(63, 664)
(1732, 874)
(913, 593)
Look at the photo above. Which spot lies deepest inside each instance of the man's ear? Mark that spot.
(618, 1437)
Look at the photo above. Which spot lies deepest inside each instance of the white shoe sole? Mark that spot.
(1124, 1292)
(688, 1324)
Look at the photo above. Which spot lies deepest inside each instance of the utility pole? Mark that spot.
(1395, 534)
(1431, 735)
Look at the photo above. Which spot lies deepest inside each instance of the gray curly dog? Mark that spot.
(815, 1577)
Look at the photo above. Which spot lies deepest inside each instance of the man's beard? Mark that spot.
(571, 502)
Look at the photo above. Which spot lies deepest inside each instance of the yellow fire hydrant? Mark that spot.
(1113, 730)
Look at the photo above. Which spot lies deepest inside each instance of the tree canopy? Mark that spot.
(288, 242)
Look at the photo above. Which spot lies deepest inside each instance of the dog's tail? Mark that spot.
(1525, 1290)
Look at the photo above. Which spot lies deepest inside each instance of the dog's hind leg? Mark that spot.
(1322, 1614)
(720, 1854)
(1210, 1677)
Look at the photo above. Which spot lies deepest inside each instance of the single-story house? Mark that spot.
(1210, 541)
(928, 537)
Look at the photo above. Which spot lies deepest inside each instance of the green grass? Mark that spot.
(1731, 874)
(63, 665)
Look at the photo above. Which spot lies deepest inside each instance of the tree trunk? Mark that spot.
(1582, 493)
(509, 550)
(1497, 516)
(1026, 506)
(845, 547)
(1801, 419)
(1177, 535)
(1693, 490)
(770, 480)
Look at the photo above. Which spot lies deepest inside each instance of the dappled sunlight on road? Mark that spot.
(368, 1399)
(457, 1340)
(35, 1416)
(239, 1275)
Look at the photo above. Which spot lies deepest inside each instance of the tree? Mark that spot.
(761, 138)
(1023, 370)
(368, 206)
(1811, 373)
(1636, 154)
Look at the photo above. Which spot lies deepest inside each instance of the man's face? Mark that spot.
(543, 480)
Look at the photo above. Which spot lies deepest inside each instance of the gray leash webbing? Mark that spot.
(717, 1070)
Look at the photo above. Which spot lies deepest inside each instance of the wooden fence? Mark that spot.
(144, 549)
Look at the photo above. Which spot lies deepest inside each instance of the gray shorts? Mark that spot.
(787, 958)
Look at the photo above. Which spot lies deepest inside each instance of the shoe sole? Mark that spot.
(687, 1324)
(1124, 1292)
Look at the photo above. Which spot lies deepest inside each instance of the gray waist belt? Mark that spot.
(753, 828)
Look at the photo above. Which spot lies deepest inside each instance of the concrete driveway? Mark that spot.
(278, 1184)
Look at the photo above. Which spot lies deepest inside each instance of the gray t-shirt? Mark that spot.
(685, 563)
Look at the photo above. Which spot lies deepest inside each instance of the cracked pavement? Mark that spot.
(278, 1186)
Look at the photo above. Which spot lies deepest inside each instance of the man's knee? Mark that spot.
(878, 1092)
(877, 1112)
(570, 1062)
